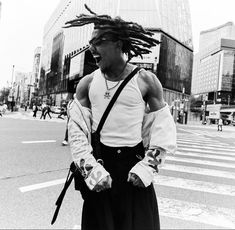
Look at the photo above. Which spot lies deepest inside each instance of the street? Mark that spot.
(195, 188)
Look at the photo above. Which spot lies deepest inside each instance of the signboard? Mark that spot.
(149, 61)
(214, 115)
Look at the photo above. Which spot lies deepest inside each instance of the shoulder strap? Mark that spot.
(114, 98)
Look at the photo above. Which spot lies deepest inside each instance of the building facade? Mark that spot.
(66, 59)
(21, 88)
(0, 9)
(214, 69)
(34, 84)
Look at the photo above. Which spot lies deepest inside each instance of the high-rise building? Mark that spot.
(34, 84)
(214, 68)
(0, 9)
(63, 61)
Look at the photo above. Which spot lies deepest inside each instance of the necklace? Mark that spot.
(107, 94)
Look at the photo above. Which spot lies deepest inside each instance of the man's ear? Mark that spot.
(119, 44)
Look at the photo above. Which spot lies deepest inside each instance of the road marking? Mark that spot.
(223, 152)
(194, 133)
(205, 155)
(191, 211)
(41, 185)
(201, 186)
(35, 142)
(201, 140)
(221, 148)
(209, 143)
(197, 141)
(199, 171)
(202, 162)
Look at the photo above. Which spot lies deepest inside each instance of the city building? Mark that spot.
(66, 59)
(34, 84)
(0, 9)
(214, 70)
(21, 88)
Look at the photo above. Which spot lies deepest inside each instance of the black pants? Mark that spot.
(35, 113)
(124, 206)
(46, 114)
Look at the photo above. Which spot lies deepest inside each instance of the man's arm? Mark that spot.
(160, 129)
(82, 92)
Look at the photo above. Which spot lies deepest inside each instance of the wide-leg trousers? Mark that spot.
(124, 206)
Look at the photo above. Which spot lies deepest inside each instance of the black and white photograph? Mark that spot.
(117, 114)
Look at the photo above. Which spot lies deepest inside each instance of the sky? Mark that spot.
(22, 23)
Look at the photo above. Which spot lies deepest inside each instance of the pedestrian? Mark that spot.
(63, 112)
(35, 110)
(43, 108)
(133, 144)
(220, 124)
(65, 141)
(47, 111)
(25, 107)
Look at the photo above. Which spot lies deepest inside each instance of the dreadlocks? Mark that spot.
(136, 40)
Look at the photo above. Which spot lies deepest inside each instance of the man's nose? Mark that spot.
(92, 48)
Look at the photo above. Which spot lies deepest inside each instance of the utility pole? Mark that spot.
(12, 95)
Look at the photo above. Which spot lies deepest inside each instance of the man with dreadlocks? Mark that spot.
(134, 143)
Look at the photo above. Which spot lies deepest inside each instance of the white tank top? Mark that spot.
(124, 122)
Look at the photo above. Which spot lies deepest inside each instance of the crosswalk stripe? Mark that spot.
(189, 140)
(189, 136)
(199, 171)
(224, 152)
(206, 155)
(195, 185)
(36, 142)
(208, 144)
(190, 211)
(192, 132)
(202, 162)
(41, 185)
(228, 149)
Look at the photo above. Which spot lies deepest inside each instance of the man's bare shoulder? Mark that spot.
(85, 81)
(151, 90)
(83, 89)
(149, 79)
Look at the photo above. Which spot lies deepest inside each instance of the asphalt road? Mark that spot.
(195, 189)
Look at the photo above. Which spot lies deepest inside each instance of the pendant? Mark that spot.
(107, 95)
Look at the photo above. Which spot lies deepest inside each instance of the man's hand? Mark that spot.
(104, 184)
(135, 180)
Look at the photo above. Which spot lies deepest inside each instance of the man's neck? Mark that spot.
(116, 72)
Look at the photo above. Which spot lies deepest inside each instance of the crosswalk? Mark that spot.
(211, 132)
(197, 184)
(29, 116)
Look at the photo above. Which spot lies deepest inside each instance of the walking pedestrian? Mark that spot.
(47, 111)
(220, 124)
(35, 110)
(63, 112)
(43, 108)
(65, 141)
(133, 144)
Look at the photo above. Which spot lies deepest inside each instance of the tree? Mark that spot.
(4, 93)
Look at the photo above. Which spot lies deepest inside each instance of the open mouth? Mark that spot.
(97, 58)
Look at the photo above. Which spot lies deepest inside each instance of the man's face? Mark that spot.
(105, 49)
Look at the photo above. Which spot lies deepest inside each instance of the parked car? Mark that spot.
(233, 122)
(55, 109)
